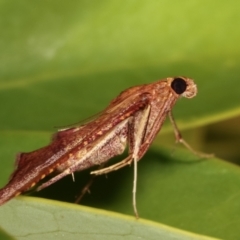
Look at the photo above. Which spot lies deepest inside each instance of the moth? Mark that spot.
(133, 118)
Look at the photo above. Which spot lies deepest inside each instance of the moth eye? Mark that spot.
(179, 85)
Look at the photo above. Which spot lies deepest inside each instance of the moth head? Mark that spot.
(183, 86)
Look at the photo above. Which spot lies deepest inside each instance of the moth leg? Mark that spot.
(137, 129)
(73, 177)
(87, 187)
(180, 139)
(132, 144)
(55, 179)
(114, 167)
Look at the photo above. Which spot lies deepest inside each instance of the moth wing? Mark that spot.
(33, 166)
(75, 127)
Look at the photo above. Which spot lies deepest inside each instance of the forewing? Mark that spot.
(34, 166)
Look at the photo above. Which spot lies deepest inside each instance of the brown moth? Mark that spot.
(134, 118)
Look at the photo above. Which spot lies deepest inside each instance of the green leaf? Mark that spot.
(174, 188)
(61, 55)
(61, 62)
(38, 219)
(4, 236)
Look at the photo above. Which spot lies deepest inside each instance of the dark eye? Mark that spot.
(179, 85)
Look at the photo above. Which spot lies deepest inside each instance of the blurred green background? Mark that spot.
(62, 62)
